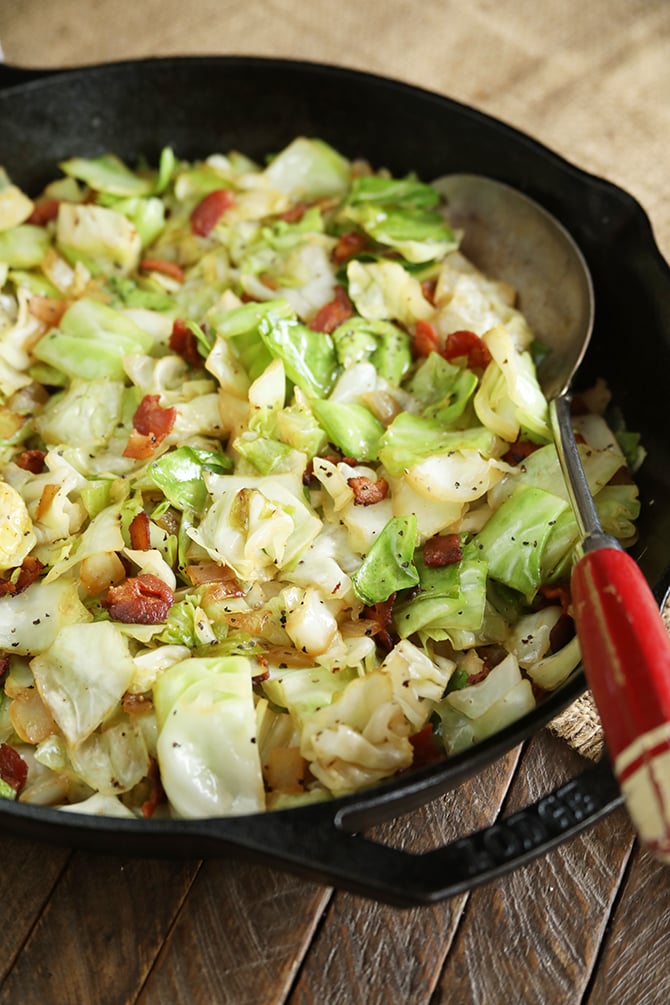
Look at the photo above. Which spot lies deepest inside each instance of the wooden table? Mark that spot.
(590, 922)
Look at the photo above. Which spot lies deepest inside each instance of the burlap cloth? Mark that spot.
(590, 80)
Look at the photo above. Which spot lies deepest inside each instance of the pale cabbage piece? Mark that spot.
(83, 675)
(310, 623)
(476, 699)
(529, 639)
(432, 515)
(206, 748)
(385, 291)
(31, 620)
(112, 760)
(101, 536)
(15, 207)
(529, 406)
(98, 805)
(151, 561)
(99, 235)
(363, 735)
(17, 538)
(551, 671)
(256, 525)
(150, 664)
(462, 476)
(467, 299)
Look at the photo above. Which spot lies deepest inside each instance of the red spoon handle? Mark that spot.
(626, 653)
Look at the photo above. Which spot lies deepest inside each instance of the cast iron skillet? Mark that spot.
(202, 105)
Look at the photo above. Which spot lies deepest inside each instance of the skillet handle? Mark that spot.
(322, 849)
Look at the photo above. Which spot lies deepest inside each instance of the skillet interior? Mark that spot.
(257, 105)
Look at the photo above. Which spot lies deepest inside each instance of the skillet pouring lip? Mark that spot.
(136, 107)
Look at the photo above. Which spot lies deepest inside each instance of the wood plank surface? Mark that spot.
(358, 936)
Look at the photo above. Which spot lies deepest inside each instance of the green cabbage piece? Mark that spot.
(85, 414)
(513, 540)
(91, 341)
(180, 475)
(351, 427)
(107, 174)
(308, 356)
(24, 247)
(450, 598)
(206, 747)
(385, 291)
(443, 389)
(385, 345)
(412, 438)
(389, 565)
(304, 690)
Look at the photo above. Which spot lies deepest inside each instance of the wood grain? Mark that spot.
(99, 932)
(239, 938)
(358, 938)
(538, 931)
(633, 968)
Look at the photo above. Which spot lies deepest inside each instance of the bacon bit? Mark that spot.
(156, 791)
(295, 213)
(470, 345)
(139, 530)
(140, 600)
(30, 570)
(381, 615)
(162, 265)
(4, 665)
(428, 288)
(443, 549)
(151, 424)
(13, 769)
(366, 492)
(49, 493)
(349, 244)
(184, 343)
(209, 211)
(44, 210)
(519, 451)
(426, 339)
(47, 309)
(32, 460)
(425, 749)
(334, 313)
(136, 704)
(213, 572)
(556, 593)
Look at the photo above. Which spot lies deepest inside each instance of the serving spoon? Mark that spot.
(624, 644)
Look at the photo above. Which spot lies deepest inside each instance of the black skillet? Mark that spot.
(201, 105)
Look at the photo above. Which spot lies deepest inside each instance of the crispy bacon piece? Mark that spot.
(44, 210)
(426, 339)
(213, 572)
(140, 600)
(428, 288)
(13, 769)
(30, 570)
(295, 213)
(519, 451)
(32, 460)
(139, 530)
(47, 309)
(184, 343)
(167, 268)
(366, 491)
(4, 665)
(470, 345)
(443, 549)
(156, 791)
(349, 244)
(381, 615)
(209, 211)
(334, 313)
(425, 748)
(151, 424)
